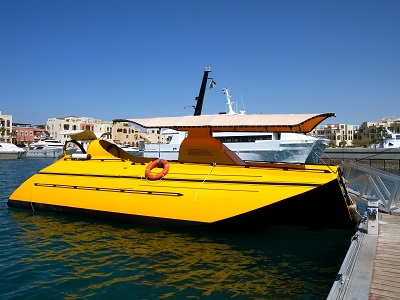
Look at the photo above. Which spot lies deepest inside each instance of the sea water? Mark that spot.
(53, 256)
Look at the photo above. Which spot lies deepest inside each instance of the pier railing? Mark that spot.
(366, 183)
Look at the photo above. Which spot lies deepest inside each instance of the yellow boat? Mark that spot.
(207, 185)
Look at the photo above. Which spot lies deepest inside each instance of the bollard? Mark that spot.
(373, 217)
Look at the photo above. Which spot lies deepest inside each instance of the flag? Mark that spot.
(212, 84)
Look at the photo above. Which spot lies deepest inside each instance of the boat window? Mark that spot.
(244, 138)
(397, 137)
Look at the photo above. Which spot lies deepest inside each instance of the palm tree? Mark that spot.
(2, 131)
(13, 136)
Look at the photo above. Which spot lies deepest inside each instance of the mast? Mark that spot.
(200, 98)
(229, 103)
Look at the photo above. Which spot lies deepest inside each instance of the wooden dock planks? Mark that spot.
(386, 274)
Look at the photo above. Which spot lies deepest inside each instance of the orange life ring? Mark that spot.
(158, 163)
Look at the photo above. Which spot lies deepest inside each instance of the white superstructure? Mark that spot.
(389, 139)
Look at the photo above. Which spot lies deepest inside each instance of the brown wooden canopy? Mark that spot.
(255, 123)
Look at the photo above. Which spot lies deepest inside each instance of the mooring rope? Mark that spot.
(201, 184)
(319, 157)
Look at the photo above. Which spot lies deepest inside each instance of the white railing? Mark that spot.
(366, 183)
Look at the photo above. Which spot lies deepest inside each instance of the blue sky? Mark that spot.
(128, 59)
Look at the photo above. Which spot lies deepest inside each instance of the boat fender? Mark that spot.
(158, 163)
(81, 156)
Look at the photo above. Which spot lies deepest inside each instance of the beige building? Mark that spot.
(56, 125)
(338, 134)
(365, 135)
(125, 134)
(372, 131)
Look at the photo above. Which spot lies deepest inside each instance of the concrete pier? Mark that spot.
(382, 158)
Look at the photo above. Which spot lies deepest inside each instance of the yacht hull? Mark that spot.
(191, 194)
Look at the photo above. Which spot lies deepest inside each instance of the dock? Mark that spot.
(371, 267)
(386, 273)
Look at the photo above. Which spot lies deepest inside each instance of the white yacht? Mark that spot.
(389, 139)
(269, 146)
(46, 148)
(11, 151)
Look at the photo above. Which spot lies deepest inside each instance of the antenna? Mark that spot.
(244, 109)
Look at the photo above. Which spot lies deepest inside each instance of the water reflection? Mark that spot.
(77, 258)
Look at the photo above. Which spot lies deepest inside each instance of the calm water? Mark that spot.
(50, 256)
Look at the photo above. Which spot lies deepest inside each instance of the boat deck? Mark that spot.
(371, 269)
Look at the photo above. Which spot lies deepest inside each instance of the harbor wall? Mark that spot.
(382, 158)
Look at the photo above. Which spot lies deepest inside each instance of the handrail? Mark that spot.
(372, 184)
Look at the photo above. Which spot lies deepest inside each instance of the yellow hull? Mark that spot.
(190, 194)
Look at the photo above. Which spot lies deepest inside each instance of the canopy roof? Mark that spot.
(257, 123)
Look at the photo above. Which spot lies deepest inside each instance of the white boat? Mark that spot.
(46, 148)
(282, 147)
(11, 151)
(389, 139)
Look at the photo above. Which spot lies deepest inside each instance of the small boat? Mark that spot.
(389, 139)
(46, 148)
(209, 185)
(284, 147)
(11, 151)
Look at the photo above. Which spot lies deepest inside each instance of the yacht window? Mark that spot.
(244, 138)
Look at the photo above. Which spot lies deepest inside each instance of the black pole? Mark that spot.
(200, 98)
